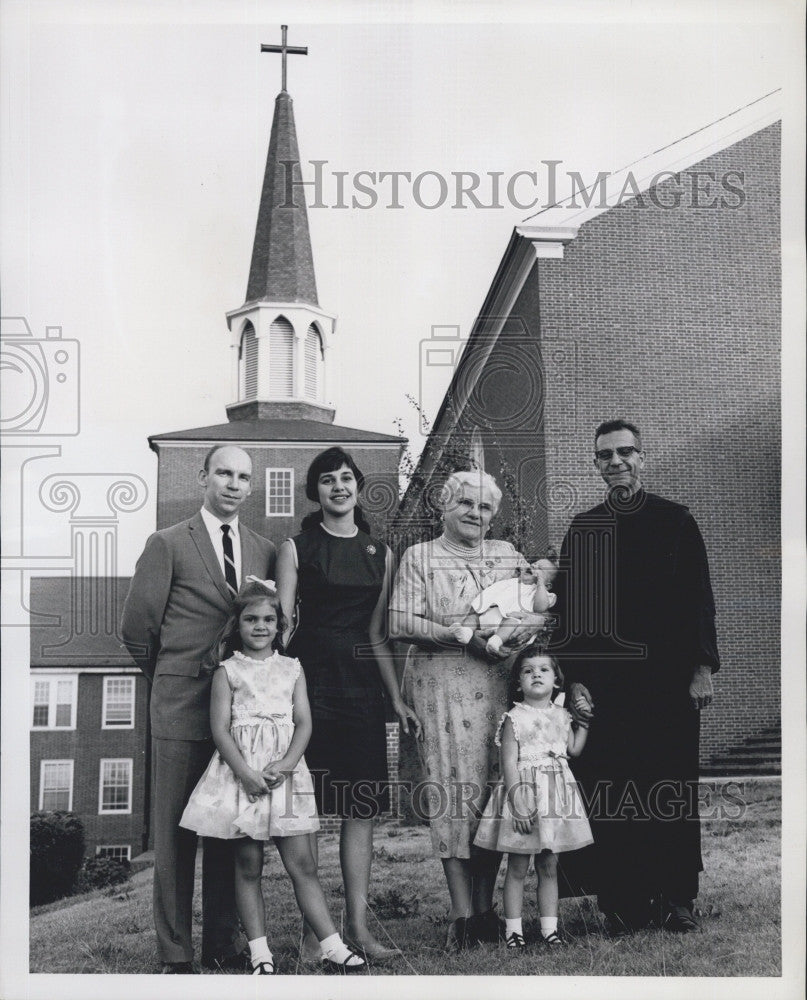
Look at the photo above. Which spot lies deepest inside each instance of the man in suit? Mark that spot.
(178, 601)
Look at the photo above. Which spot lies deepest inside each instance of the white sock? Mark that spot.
(334, 947)
(495, 643)
(512, 926)
(462, 633)
(548, 926)
(259, 951)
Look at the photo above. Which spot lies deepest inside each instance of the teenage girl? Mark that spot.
(257, 786)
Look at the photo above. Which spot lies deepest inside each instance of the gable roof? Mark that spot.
(276, 431)
(75, 621)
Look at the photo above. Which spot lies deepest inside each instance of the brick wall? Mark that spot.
(86, 746)
(672, 320)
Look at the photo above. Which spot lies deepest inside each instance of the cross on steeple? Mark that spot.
(284, 50)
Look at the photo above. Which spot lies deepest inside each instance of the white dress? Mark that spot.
(262, 727)
(561, 824)
(505, 598)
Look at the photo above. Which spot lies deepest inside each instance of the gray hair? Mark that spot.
(453, 486)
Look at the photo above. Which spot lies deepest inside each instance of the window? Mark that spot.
(281, 359)
(116, 786)
(54, 702)
(280, 492)
(248, 363)
(56, 785)
(118, 709)
(313, 362)
(120, 852)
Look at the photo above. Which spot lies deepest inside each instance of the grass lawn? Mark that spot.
(111, 931)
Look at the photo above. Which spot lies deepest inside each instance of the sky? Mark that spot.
(134, 140)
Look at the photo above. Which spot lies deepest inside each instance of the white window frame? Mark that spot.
(290, 511)
(114, 812)
(117, 678)
(114, 847)
(42, 765)
(53, 680)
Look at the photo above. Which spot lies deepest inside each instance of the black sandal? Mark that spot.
(344, 968)
(263, 969)
(554, 940)
(515, 942)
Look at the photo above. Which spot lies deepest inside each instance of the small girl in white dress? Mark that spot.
(536, 808)
(257, 786)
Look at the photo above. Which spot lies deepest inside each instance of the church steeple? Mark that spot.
(280, 335)
(282, 268)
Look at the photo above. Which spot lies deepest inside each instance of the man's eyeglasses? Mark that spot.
(606, 454)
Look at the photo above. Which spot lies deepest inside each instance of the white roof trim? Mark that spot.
(313, 445)
(678, 156)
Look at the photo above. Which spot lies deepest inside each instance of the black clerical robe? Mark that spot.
(635, 618)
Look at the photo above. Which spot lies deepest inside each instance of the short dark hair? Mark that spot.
(514, 692)
(609, 426)
(331, 460)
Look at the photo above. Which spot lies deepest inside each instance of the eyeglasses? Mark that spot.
(606, 454)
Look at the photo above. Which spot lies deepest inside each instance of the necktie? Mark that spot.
(229, 559)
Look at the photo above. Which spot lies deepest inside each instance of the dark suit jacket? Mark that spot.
(177, 603)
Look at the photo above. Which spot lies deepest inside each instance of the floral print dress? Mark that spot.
(262, 727)
(542, 735)
(458, 697)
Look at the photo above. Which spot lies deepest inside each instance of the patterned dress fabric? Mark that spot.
(458, 697)
(262, 727)
(561, 825)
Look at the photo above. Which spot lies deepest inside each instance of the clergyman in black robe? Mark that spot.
(636, 628)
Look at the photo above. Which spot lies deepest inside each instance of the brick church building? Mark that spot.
(656, 299)
(90, 743)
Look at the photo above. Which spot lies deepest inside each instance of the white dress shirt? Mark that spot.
(213, 525)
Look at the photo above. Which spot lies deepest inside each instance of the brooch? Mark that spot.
(371, 549)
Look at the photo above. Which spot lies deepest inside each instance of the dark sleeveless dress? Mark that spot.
(338, 585)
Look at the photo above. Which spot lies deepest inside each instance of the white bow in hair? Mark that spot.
(267, 584)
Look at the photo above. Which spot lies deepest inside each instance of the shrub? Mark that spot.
(57, 849)
(100, 873)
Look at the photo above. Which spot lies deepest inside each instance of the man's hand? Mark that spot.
(580, 703)
(700, 688)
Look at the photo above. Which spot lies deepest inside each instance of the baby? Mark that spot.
(509, 604)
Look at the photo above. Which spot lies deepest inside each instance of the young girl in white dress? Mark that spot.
(536, 808)
(257, 786)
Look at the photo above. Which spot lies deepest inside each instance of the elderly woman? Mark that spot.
(458, 692)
